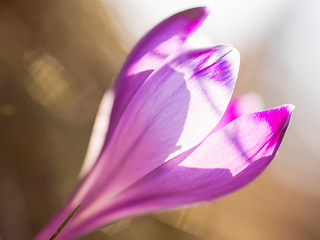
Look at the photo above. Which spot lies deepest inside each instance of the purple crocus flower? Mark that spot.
(161, 148)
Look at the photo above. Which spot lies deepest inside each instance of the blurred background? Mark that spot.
(58, 57)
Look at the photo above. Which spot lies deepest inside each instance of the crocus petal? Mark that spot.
(163, 40)
(174, 109)
(224, 162)
(172, 112)
(98, 135)
(163, 147)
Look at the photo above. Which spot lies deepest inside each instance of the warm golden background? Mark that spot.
(58, 57)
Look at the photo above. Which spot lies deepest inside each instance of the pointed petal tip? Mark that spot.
(226, 51)
(234, 54)
(221, 58)
(194, 14)
(205, 10)
(278, 117)
(290, 107)
(229, 51)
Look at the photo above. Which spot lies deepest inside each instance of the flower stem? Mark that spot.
(64, 223)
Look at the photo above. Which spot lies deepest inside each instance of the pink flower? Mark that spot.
(161, 149)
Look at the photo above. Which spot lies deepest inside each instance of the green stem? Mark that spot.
(64, 223)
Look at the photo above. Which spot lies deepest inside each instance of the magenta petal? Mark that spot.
(224, 162)
(173, 111)
(163, 40)
(164, 148)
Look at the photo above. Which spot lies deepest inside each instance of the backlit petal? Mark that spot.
(173, 111)
(224, 162)
(163, 40)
